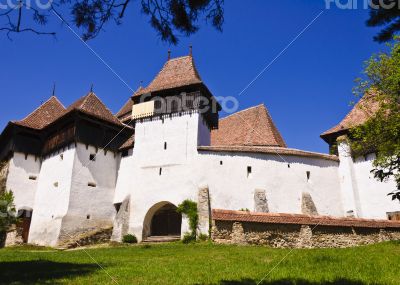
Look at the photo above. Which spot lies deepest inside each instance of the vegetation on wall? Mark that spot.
(381, 133)
(188, 208)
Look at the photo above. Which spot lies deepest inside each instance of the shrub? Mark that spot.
(189, 209)
(188, 238)
(203, 237)
(129, 239)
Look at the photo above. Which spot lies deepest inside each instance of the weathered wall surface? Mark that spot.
(121, 221)
(22, 180)
(52, 197)
(92, 191)
(3, 174)
(298, 236)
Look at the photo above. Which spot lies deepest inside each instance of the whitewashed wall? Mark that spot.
(91, 208)
(373, 199)
(51, 202)
(20, 170)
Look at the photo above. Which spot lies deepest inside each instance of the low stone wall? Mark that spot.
(299, 231)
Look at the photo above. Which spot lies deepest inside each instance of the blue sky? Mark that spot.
(307, 90)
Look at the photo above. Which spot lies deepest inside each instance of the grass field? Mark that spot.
(201, 264)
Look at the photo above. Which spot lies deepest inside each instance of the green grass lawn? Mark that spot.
(202, 264)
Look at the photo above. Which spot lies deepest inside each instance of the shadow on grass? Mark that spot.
(41, 271)
(291, 282)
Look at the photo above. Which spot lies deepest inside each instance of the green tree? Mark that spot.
(381, 133)
(168, 17)
(386, 14)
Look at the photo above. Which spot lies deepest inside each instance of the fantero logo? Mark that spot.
(362, 4)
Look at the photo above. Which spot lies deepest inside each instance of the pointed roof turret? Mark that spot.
(250, 127)
(92, 105)
(47, 113)
(176, 72)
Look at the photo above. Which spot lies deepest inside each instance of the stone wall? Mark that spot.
(294, 234)
(121, 222)
(204, 210)
(3, 174)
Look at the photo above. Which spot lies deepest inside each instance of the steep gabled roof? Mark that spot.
(47, 113)
(176, 72)
(250, 127)
(126, 109)
(92, 105)
(361, 112)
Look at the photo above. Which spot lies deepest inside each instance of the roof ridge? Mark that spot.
(275, 130)
(40, 107)
(249, 108)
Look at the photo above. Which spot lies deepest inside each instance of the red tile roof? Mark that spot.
(129, 143)
(92, 105)
(294, 219)
(47, 113)
(250, 127)
(361, 112)
(126, 110)
(176, 72)
(268, 150)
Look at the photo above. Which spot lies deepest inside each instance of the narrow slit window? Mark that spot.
(308, 173)
(92, 157)
(249, 171)
(61, 156)
(165, 145)
(92, 184)
(221, 162)
(160, 171)
(32, 177)
(88, 217)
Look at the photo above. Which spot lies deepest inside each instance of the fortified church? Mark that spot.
(81, 168)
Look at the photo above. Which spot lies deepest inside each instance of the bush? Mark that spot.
(188, 238)
(189, 209)
(129, 239)
(203, 237)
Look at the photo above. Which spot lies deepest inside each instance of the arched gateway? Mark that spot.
(162, 220)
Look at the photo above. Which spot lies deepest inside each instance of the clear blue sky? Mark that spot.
(307, 90)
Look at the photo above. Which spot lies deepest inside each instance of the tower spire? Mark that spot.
(169, 54)
(54, 89)
(190, 50)
(91, 88)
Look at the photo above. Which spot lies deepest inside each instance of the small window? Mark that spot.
(32, 177)
(92, 157)
(61, 156)
(288, 166)
(165, 145)
(92, 184)
(88, 217)
(249, 170)
(308, 175)
(221, 162)
(55, 184)
(160, 171)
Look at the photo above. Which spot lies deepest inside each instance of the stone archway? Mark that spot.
(162, 220)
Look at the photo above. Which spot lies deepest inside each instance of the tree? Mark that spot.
(167, 17)
(8, 215)
(385, 13)
(381, 133)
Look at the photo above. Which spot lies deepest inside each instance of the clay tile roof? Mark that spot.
(47, 113)
(276, 218)
(250, 127)
(279, 151)
(126, 110)
(361, 112)
(92, 105)
(129, 143)
(176, 72)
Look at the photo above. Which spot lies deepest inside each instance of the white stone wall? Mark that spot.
(373, 199)
(92, 191)
(184, 171)
(21, 168)
(51, 201)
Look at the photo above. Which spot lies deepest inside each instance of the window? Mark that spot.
(55, 184)
(249, 170)
(61, 156)
(160, 171)
(92, 157)
(92, 184)
(288, 166)
(32, 177)
(88, 217)
(165, 145)
(221, 162)
(308, 175)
